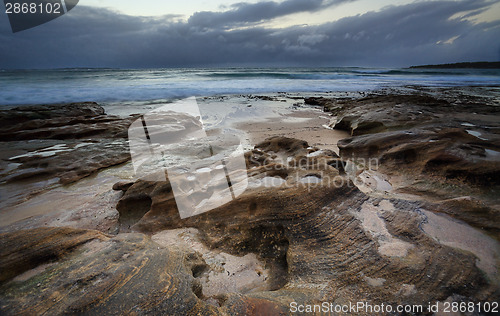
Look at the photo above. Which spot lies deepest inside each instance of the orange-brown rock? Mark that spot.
(315, 240)
(90, 273)
(322, 240)
(302, 232)
(437, 150)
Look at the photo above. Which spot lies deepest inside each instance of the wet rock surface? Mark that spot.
(302, 232)
(436, 150)
(408, 214)
(125, 274)
(45, 145)
(66, 121)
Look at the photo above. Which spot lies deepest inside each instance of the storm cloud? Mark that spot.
(416, 33)
(248, 13)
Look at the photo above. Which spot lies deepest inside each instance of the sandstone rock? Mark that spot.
(437, 156)
(89, 140)
(25, 250)
(436, 149)
(302, 231)
(324, 102)
(44, 145)
(314, 241)
(381, 113)
(91, 209)
(446, 152)
(350, 239)
(43, 112)
(150, 206)
(127, 274)
(67, 121)
(122, 186)
(68, 161)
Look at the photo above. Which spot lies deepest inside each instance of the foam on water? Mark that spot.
(120, 85)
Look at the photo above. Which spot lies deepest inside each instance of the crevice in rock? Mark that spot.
(338, 164)
(271, 245)
(197, 288)
(198, 269)
(133, 212)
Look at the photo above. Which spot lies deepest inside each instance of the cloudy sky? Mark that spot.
(194, 33)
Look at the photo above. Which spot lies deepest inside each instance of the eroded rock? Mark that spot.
(46, 145)
(352, 241)
(127, 274)
(437, 156)
(302, 232)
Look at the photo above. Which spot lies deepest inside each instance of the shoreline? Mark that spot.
(271, 115)
(268, 115)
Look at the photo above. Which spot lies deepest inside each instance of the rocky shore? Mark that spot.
(403, 210)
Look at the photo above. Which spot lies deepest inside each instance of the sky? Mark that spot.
(226, 33)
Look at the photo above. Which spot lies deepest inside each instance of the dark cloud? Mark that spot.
(245, 13)
(417, 33)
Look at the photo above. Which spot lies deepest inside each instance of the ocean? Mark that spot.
(21, 87)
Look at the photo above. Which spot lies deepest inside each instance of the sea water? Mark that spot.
(21, 87)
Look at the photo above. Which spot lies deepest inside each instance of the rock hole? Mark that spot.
(132, 211)
(195, 262)
(198, 269)
(339, 165)
(271, 245)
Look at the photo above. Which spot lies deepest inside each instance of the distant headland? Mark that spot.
(474, 65)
